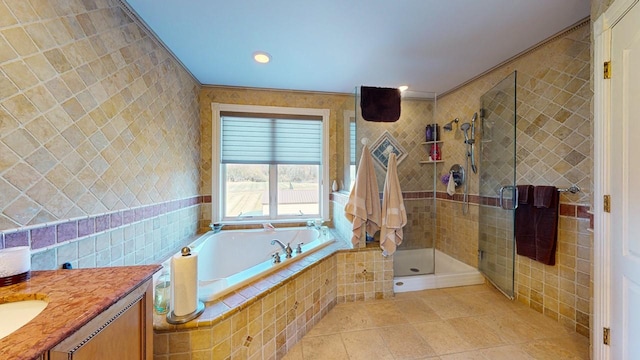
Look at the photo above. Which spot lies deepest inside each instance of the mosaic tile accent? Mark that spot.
(384, 146)
(95, 115)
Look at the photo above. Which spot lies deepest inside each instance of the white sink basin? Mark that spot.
(14, 315)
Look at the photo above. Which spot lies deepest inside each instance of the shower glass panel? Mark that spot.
(415, 256)
(497, 171)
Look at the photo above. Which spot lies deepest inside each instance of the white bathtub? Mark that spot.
(449, 272)
(231, 259)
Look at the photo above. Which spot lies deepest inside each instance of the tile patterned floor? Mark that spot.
(472, 322)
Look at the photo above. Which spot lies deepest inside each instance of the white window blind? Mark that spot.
(352, 142)
(271, 139)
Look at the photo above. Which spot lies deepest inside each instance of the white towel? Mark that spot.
(451, 185)
(394, 214)
(363, 207)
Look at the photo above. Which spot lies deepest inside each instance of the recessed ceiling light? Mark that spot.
(403, 88)
(261, 57)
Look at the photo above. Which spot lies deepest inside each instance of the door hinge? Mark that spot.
(606, 203)
(606, 335)
(607, 69)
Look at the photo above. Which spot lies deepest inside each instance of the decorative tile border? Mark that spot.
(579, 211)
(45, 235)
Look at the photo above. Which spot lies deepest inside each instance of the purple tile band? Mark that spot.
(51, 234)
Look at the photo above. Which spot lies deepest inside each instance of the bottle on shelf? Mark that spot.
(434, 153)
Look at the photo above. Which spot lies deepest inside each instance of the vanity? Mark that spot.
(98, 313)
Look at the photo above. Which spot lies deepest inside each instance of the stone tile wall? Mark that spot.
(96, 118)
(262, 327)
(554, 148)
(336, 103)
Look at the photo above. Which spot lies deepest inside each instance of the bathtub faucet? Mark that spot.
(287, 249)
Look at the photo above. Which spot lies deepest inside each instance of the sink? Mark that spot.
(14, 315)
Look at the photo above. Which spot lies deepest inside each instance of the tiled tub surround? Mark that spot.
(265, 319)
(129, 237)
(95, 118)
(74, 297)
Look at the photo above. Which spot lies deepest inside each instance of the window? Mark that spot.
(349, 149)
(270, 163)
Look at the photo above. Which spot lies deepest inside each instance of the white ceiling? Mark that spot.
(336, 45)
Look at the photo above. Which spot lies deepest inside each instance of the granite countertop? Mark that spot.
(74, 297)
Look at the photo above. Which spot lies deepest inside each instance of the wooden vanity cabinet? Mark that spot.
(124, 331)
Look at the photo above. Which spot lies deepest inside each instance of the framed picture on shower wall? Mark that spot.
(384, 146)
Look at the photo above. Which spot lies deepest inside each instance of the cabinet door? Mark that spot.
(123, 331)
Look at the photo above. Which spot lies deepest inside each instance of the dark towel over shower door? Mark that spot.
(497, 188)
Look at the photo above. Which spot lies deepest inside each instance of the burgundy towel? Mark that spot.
(380, 104)
(525, 225)
(525, 194)
(545, 200)
(543, 196)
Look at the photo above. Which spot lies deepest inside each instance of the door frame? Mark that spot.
(601, 31)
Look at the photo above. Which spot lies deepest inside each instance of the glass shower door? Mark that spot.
(497, 189)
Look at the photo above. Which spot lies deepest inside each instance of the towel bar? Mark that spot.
(572, 189)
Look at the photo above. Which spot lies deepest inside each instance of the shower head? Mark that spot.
(449, 126)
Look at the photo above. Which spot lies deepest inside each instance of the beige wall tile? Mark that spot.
(79, 65)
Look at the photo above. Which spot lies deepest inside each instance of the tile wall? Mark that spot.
(554, 148)
(336, 103)
(97, 122)
(265, 328)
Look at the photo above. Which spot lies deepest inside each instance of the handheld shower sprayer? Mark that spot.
(470, 140)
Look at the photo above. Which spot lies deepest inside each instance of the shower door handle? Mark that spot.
(514, 199)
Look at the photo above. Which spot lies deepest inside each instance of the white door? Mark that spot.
(625, 187)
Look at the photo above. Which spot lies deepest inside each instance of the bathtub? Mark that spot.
(449, 272)
(231, 259)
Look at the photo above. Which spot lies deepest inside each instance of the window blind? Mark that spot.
(352, 142)
(271, 140)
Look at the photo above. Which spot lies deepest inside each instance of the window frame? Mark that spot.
(217, 186)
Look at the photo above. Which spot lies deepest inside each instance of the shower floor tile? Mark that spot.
(469, 322)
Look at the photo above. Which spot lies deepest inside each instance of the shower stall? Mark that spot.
(489, 138)
(417, 263)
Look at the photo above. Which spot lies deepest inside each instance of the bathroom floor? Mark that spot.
(472, 322)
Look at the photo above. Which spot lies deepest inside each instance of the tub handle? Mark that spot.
(299, 248)
(276, 257)
(288, 250)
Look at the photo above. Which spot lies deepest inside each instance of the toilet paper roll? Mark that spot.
(184, 284)
(15, 260)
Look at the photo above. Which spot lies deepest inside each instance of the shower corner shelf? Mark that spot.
(431, 162)
(434, 161)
